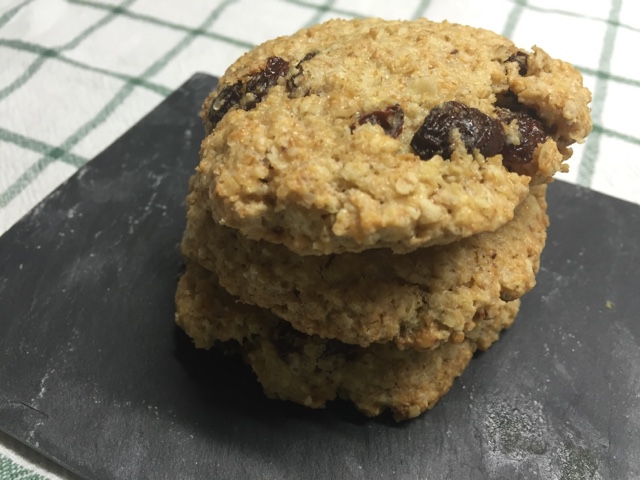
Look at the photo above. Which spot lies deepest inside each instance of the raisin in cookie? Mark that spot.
(416, 300)
(361, 134)
(311, 371)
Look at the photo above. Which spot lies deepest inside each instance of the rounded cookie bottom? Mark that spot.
(311, 371)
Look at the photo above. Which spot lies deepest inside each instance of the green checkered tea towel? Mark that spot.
(76, 74)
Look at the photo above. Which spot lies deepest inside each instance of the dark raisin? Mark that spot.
(521, 59)
(287, 341)
(247, 95)
(306, 58)
(532, 133)
(292, 82)
(391, 119)
(477, 130)
(259, 84)
(227, 98)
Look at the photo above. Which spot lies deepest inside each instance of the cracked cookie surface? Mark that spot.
(316, 140)
(311, 371)
(417, 300)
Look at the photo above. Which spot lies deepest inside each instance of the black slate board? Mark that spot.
(95, 375)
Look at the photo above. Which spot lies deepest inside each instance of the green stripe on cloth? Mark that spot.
(41, 147)
(47, 52)
(320, 11)
(615, 23)
(420, 9)
(513, 18)
(339, 11)
(608, 76)
(9, 470)
(592, 148)
(22, 79)
(615, 134)
(9, 14)
(163, 23)
(24, 180)
(32, 172)
(37, 64)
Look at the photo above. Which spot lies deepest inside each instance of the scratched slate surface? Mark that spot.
(94, 374)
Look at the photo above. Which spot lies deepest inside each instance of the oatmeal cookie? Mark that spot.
(353, 135)
(311, 371)
(416, 300)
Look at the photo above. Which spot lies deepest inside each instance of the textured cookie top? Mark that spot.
(361, 134)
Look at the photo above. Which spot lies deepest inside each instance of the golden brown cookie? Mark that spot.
(361, 134)
(417, 300)
(311, 371)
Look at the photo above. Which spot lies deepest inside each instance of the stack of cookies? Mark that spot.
(369, 206)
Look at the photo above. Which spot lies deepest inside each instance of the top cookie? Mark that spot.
(363, 134)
